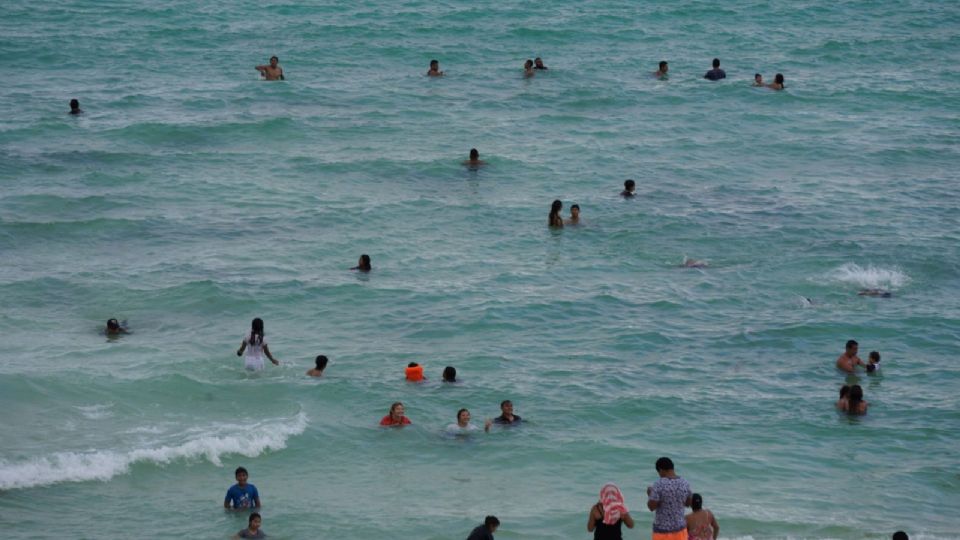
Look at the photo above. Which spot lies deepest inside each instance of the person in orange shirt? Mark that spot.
(396, 417)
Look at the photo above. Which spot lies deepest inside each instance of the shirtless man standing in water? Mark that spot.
(272, 72)
(849, 359)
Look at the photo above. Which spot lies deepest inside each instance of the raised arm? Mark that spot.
(592, 518)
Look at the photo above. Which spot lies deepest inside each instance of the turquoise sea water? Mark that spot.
(191, 197)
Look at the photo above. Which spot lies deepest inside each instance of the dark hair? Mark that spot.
(474, 154)
(555, 220)
(664, 464)
(461, 411)
(256, 332)
(504, 402)
(755, 75)
(240, 470)
(900, 535)
(844, 391)
(274, 56)
(851, 343)
(413, 364)
(716, 62)
(394, 405)
(491, 520)
(778, 78)
(74, 104)
(629, 184)
(663, 63)
(856, 398)
(113, 324)
(364, 262)
(696, 502)
(875, 355)
(449, 374)
(321, 361)
(253, 516)
(577, 206)
(432, 62)
(528, 63)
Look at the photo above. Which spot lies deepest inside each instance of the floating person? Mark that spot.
(609, 514)
(693, 263)
(75, 107)
(474, 160)
(777, 83)
(434, 70)
(395, 417)
(900, 535)
(629, 187)
(701, 525)
(555, 219)
(321, 364)
(464, 426)
(271, 71)
(363, 265)
(856, 405)
(849, 360)
(757, 79)
(661, 72)
(716, 73)
(667, 497)
(538, 63)
(450, 374)
(255, 344)
(414, 372)
(485, 531)
(507, 418)
(877, 293)
(115, 328)
(574, 215)
(844, 400)
(528, 69)
(242, 495)
(253, 529)
(873, 362)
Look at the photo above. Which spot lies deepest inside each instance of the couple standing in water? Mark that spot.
(556, 220)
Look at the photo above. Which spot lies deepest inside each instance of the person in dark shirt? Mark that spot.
(716, 73)
(485, 531)
(629, 186)
(75, 107)
(538, 63)
(507, 418)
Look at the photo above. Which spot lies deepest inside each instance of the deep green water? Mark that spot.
(191, 197)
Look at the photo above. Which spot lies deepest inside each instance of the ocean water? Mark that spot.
(191, 197)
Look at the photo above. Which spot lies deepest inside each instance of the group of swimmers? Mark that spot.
(851, 396)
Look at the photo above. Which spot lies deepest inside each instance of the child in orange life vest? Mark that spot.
(414, 372)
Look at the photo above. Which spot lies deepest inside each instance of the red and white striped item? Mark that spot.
(612, 501)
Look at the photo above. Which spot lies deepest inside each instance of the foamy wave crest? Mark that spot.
(247, 440)
(870, 277)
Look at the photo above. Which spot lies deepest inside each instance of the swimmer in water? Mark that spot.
(538, 63)
(256, 347)
(574, 215)
(450, 374)
(693, 263)
(661, 73)
(777, 83)
(507, 418)
(474, 160)
(849, 360)
(272, 71)
(75, 107)
(873, 362)
(363, 265)
(757, 79)
(844, 400)
(629, 187)
(716, 73)
(528, 69)
(463, 424)
(434, 70)
(878, 293)
(321, 364)
(253, 529)
(114, 328)
(856, 404)
(395, 417)
(555, 219)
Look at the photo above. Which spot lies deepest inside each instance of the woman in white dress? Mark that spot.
(256, 347)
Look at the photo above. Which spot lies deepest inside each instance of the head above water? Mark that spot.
(474, 154)
(874, 356)
(364, 262)
(778, 78)
(856, 393)
(434, 64)
(538, 62)
(113, 324)
(241, 474)
(254, 516)
(844, 391)
(491, 522)
(450, 374)
(256, 331)
(664, 464)
(463, 416)
(852, 346)
(629, 185)
(556, 206)
(716, 63)
(663, 65)
(528, 64)
(900, 535)
(74, 104)
(396, 409)
(757, 77)
(274, 61)
(321, 362)
(696, 502)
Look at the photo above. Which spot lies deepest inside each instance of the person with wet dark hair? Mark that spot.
(848, 361)
(857, 405)
(662, 69)
(434, 70)
(255, 345)
(474, 160)
(556, 220)
(777, 83)
(75, 107)
(114, 328)
(528, 69)
(450, 374)
(900, 535)
(758, 79)
(271, 71)
(716, 73)
(321, 364)
(667, 497)
(538, 63)
(485, 531)
(574, 215)
(363, 265)
(701, 525)
(844, 400)
(873, 362)
(629, 187)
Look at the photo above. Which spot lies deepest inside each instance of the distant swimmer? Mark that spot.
(609, 514)
(661, 72)
(574, 215)
(256, 347)
(464, 425)
(474, 160)
(716, 73)
(693, 263)
(363, 265)
(879, 293)
(75, 107)
(873, 362)
(272, 71)
(242, 496)
(701, 525)
(844, 401)
(414, 372)
(629, 188)
(115, 328)
(253, 529)
(538, 63)
(450, 374)
(528, 69)
(849, 359)
(434, 70)
(321, 364)
(777, 83)
(507, 418)
(485, 531)
(758, 79)
(856, 404)
(555, 219)
(395, 417)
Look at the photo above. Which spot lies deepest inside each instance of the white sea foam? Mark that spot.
(244, 439)
(96, 412)
(870, 277)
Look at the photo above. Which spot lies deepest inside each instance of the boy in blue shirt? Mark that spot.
(242, 495)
